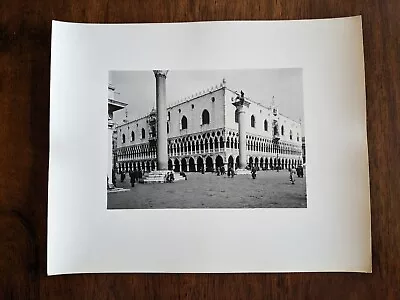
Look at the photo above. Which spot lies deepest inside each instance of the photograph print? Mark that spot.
(206, 139)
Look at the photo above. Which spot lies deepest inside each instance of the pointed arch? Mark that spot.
(184, 165)
(200, 164)
(184, 123)
(209, 164)
(192, 167)
(170, 166)
(230, 161)
(219, 162)
(176, 165)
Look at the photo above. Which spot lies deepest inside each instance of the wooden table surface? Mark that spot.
(25, 28)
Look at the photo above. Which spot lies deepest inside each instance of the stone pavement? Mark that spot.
(270, 189)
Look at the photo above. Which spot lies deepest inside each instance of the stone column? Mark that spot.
(161, 103)
(241, 104)
(242, 136)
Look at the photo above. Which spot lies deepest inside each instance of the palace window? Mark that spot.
(169, 116)
(205, 117)
(123, 138)
(167, 127)
(298, 137)
(282, 130)
(265, 125)
(253, 121)
(291, 134)
(184, 123)
(143, 133)
(236, 116)
(132, 136)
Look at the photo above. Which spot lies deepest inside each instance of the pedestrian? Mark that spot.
(122, 176)
(135, 175)
(183, 174)
(132, 178)
(291, 175)
(113, 178)
(253, 173)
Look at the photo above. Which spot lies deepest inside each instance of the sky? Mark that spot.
(137, 88)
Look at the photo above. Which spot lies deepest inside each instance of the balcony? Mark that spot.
(114, 105)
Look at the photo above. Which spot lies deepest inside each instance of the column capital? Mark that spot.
(160, 73)
(241, 105)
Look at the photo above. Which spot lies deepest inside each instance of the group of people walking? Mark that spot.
(299, 170)
(134, 176)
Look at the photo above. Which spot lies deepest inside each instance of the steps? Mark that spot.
(159, 177)
(242, 172)
(117, 190)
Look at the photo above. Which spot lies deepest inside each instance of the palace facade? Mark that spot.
(203, 132)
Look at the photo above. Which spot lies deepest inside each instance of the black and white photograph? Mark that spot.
(206, 139)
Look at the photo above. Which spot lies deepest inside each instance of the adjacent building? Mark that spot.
(113, 105)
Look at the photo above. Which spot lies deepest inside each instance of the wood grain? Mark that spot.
(25, 31)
